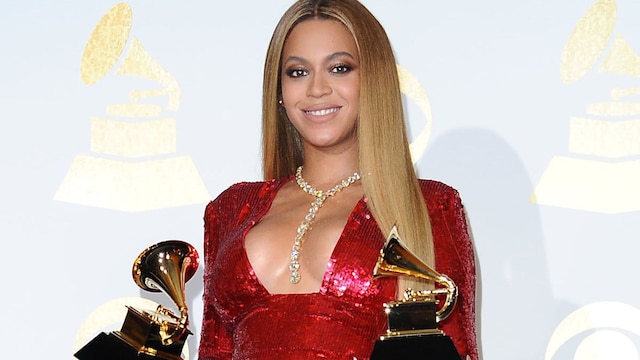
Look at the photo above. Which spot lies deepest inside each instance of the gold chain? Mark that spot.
(320, 196)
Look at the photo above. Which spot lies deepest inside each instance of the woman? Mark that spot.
(288, 280)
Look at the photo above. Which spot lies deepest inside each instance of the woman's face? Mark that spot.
(321, 84)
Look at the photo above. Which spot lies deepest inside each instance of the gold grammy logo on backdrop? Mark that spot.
(604, 331)
(116, 178)
(602, 176)
(411, 87)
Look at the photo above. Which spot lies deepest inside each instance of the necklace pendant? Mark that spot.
(295, 277)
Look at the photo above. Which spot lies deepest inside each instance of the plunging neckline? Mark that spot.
(265, 207)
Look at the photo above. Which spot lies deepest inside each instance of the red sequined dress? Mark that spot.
(243, 321)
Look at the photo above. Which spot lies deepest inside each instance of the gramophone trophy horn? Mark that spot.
(166, 267)
(160, 334)
(412, 331)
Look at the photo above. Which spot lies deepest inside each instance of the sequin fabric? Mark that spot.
(243, 321)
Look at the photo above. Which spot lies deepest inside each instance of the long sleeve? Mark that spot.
(215, 342)
(464, 245)
(455, 257)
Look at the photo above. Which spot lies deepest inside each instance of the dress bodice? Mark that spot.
(242, 320)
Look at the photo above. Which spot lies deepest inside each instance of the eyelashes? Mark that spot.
(341, 69)
(296, 72)
(337, 69)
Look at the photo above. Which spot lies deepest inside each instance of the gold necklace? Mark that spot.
(320, 196)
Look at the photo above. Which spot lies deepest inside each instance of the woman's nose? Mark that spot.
(318, 86)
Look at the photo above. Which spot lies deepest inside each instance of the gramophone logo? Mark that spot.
(603, 172)
(132, 166)
(411, 87)
(598, 331)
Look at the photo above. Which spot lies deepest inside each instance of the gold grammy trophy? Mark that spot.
(413, 331)
(163, 267)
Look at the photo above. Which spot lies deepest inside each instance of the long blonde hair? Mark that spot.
(388, 175)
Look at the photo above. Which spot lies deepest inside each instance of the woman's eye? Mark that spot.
(341, 69)
(294, 73)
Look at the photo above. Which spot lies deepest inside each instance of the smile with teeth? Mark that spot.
(322, 112)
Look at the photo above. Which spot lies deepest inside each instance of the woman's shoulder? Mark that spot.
(244, 187)
(435, 187)
(440, 194)
(242, 193)
(241, 190)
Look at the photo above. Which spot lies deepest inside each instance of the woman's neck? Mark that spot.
(324, 169)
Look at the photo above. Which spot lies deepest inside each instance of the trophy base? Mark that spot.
(404, 317)
(109, 347)
(432, 347)
(138, 339)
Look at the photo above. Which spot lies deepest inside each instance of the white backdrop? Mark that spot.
(532, 110)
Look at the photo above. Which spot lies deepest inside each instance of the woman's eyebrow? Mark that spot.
(294, 58)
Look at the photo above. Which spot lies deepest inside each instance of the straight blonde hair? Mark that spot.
(388, 175)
